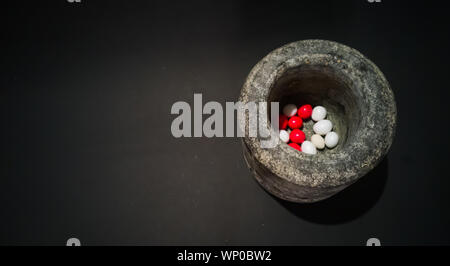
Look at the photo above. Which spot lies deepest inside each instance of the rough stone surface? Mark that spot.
(358, 99)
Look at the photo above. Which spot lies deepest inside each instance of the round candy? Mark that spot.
(331, 139)
(323, 127)
(318, 113)
(318, 141)
(290, 110)
(297, 136)
(295, 146)
(305, 111)
(308, 148)
(284, 136)
(295, 122)
(283, 121)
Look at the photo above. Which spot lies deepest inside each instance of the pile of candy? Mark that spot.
(291, 122)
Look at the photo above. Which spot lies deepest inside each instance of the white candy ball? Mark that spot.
(331, 139)
(319, 113)
(284, 136)
(290, 110)
(323, 127)
(308, 147)
(318, 141)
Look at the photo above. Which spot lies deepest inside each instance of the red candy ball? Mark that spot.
(283, 121)
(295, 122)
(295, 146)
(297, 136)
(305, 111)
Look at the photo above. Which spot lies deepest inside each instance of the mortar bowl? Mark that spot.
(359, 102)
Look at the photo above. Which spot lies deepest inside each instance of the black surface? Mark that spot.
(86, 92)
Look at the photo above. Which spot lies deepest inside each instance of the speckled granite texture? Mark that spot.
(359, 102)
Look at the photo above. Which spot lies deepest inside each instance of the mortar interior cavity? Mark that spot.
(320, 85)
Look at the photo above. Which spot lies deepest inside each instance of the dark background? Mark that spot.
(87, 152)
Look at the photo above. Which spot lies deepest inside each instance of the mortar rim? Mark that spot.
(342, 167)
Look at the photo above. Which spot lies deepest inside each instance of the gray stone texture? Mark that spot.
(359, 102)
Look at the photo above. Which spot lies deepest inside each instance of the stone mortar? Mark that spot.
(359, 102)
